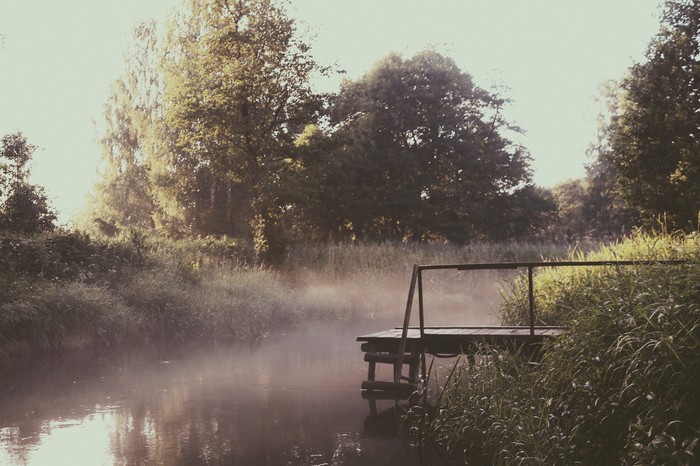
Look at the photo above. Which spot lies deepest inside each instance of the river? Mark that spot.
(291, 399)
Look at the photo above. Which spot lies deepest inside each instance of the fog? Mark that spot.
(450, 297)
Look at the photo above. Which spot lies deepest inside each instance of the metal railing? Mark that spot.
(417, 282)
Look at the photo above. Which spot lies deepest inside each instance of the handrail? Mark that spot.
(417, 280)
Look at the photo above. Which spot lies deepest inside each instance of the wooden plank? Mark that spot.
(452, 337)
(392, 387)
(388, 358)
(383, 395)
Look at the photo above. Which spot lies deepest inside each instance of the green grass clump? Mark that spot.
(69, 315)
(619, 388)
(493, 414)
(559, 291)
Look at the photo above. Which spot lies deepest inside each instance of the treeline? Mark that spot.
(215, 129)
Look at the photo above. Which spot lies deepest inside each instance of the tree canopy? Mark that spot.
(125, 197)
(652, 138)
(238, 93)
(417, 151)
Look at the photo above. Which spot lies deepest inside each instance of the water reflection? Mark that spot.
(294, 400)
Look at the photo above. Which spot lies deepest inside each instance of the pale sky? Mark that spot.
(58, 58)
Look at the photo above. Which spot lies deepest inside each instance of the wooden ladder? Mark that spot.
(401, 389)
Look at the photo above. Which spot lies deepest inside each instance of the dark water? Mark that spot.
(294, 399)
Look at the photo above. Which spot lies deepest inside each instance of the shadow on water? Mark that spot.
(292, 400)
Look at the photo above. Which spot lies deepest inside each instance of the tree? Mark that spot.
(571, 197)
(123, 197)
(608, 213)
(25, 206)
(420, 152)
(653, 136)
(237, 95)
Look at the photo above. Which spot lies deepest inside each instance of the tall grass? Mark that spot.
(68, 291)
(139, 288)
(371, 280)
(351, 260)
(559, 292)
(69, 315)
(619, 388)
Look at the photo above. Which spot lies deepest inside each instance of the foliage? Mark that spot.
(618, 388)
(571, 197)
(238, 93)
(24, 206)
(215, 130)
(417, 151)
(124, 199)
(65, 290)
(26, 210)
(652, 135)
(609, 214)
(559, 292)
(592, 207)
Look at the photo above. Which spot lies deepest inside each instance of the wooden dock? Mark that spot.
(456, 340)
(408, 345)
(383, 347)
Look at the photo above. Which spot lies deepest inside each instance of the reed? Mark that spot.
(208, 287)
(619, 388)
(348, 260)
(65, 316)
(356, 281)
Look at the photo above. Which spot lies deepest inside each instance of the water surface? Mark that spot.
(293, 399)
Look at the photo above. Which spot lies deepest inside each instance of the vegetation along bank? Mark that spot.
(619, 388)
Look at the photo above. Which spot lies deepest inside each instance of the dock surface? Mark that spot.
(456, 339)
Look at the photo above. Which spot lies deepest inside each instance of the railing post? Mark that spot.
(531, 298)
(421, 315)
(420, 304)
(406, 321)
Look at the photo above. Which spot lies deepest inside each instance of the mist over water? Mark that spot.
(291, 399)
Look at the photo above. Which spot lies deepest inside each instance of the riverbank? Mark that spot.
(67, 291)
(619, 388)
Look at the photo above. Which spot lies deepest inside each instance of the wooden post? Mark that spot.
(531, 299)
(421, 315)
(406, 321)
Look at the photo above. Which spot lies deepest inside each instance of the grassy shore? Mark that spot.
(68, 291)
(621, 387)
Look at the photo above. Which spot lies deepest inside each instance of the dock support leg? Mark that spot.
(371, 373)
